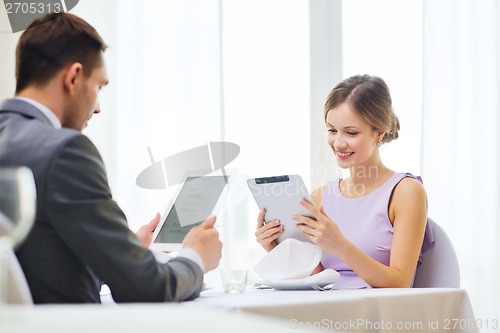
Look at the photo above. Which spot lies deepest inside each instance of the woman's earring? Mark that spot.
(378, 144)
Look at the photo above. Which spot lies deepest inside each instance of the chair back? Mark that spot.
(17, 213)
(16, 286)
(439, 267)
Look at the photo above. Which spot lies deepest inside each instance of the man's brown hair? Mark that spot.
(53, 42)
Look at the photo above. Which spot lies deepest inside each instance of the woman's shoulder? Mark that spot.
(408, 200)
(409, 186)
(410, 180)
(408, 175)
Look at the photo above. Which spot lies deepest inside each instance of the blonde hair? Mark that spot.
(369, 96)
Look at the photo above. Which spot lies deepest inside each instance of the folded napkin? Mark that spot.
(291, 259)
(322, 278)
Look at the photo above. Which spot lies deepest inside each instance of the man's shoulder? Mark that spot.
(40, 142)
(24, 119)
(49, 138)
(61, 135)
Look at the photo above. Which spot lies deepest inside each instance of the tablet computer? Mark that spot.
(280, 196)
(194, 201)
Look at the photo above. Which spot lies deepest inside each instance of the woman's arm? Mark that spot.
(407, 212)
(317, 198)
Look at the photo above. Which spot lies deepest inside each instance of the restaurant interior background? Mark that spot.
(257, 72)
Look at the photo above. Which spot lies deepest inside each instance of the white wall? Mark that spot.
(384, 38)
(8, 42)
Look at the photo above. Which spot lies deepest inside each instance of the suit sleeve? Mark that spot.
(83, 213)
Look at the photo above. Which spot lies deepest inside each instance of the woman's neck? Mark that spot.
(368, 178)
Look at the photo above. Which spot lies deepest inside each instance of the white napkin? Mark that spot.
(324, 277)
(291, 259)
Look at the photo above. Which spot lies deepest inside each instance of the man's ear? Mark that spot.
(73, 77)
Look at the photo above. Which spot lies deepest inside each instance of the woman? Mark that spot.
(370, 225)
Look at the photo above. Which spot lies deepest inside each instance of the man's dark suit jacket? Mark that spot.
(80, 235)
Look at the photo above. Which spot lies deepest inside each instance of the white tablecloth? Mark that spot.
(258, 311)
(133, 318)
(362, 310)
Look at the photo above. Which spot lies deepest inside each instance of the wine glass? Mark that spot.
(17, 214)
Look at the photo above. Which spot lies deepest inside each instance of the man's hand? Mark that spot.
(204, 239)
(145, 233)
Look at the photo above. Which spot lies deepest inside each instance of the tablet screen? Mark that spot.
(196, 200)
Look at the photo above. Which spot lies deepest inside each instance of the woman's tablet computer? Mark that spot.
(196, 199)
(280, 196)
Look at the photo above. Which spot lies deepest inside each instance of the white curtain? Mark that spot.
(164, 93)
(8, 42)
(169, 89)
(460, 141)
(184, 72)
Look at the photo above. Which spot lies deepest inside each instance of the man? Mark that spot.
(80, 235)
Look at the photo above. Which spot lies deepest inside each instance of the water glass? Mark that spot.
(234, 281)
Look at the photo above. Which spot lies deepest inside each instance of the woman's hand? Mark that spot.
(267, 233)
(320, 229)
